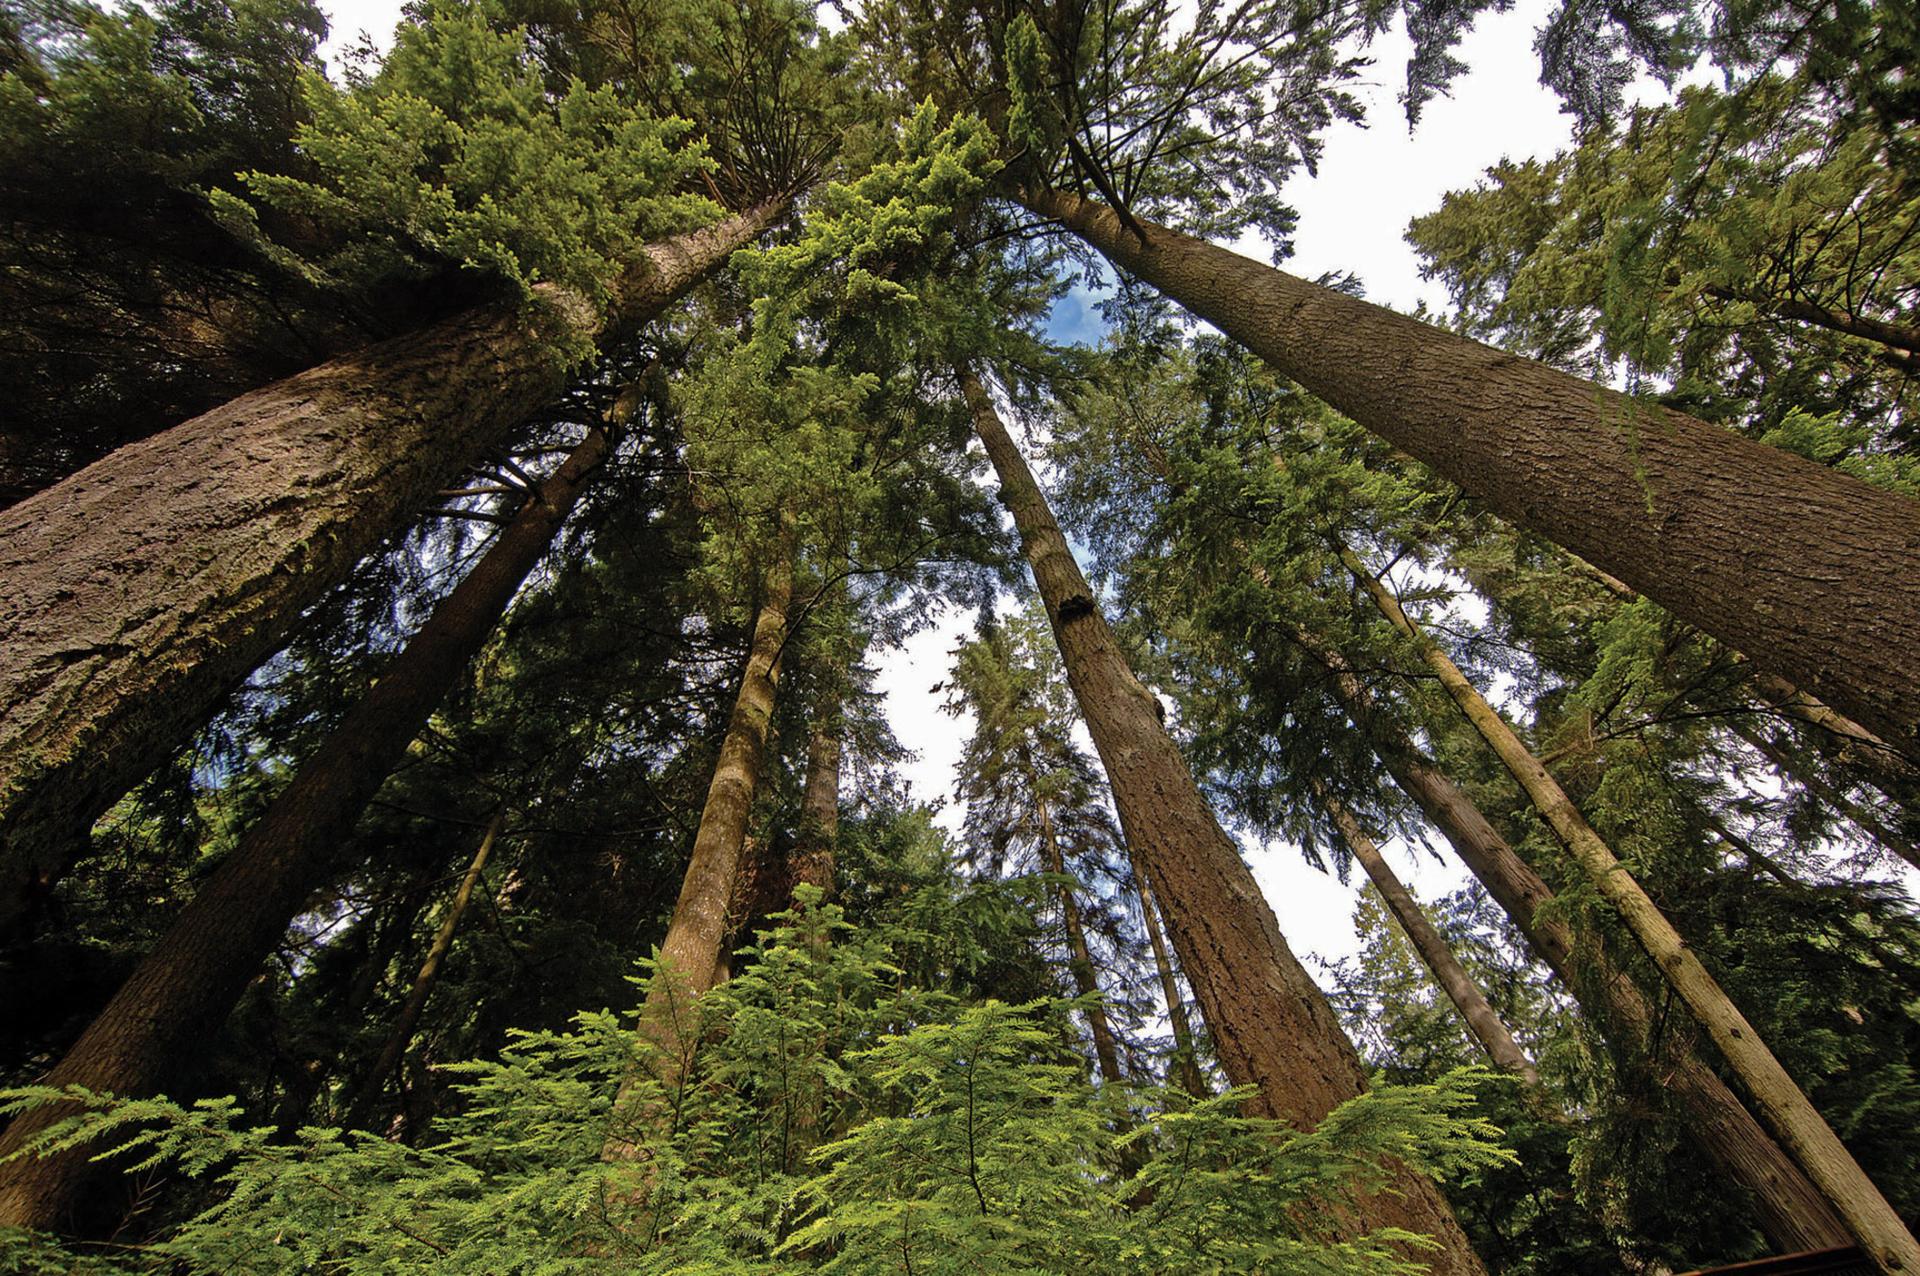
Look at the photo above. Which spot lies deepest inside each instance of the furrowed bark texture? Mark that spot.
(1272, 1027)
(1792, 1211)
(388, 1064)
(184, 988)
(1772, 554)
(1434, 953)
(1186, 1062)
(696, 934)
(1079, 959)
(1806, 1134)
(141, 589)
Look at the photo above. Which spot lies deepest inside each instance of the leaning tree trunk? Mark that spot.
(1858, 749)
(1806, 1134)
(1809, 779)
(1792, 1211)
(1272, 1027)
(689, 956)
(142, 589)
(184, 988)
(1784, 559)
(1186, 1060)
(1482, 1021)
(1106, 1052)
(404, 1023)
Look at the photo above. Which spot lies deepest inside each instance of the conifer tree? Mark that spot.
(1493, 1036)
(1270, 1026)
(1209, 596)
(1800, 1126)
(145, 587)
(1030, 790)
(188, 983)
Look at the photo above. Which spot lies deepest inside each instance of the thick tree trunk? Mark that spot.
(1779, 557)
(1106, 1052)
(388, 1064)
(142, 589)
(1434, 953)
(183, 990)
(1806, 1134)
(1186, 1061)
(1810, 780)
(1792, 1211)
(1272, 1027)
(690, 954)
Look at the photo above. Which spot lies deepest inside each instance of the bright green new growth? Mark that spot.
(455, 152)
(838, 1119)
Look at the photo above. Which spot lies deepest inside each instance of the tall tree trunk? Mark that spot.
(1790, 1209)
(1806, 1134)
(816, 841)
(691, 951)
(1079, 958)
(1784, 559)
(183, 990)
(1186, 1060)
(408, 1019)
(1272, 1027)
(1810, 780)
(142, 589)
(1481, 1020)
(817, 836)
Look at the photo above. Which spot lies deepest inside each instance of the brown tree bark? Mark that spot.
(1482, 1021)
(1792, 1211)
(1772, 554)
(1799, 1125)
(1106, 1052)
(184, 988)
(1860, 750)
(141, 589)
(690, 954)
(1272, 1027)
(388, 1064)
(1186, 1060)
(816, 841)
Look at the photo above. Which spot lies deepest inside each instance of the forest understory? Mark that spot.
(460, 498)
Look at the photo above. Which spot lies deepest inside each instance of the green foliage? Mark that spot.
(455, 152)
(835, 1121)
(1735, 245)
(857, 232)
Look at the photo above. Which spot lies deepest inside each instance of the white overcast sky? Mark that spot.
(1353, 214)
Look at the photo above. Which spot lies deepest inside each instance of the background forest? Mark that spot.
(453, 516)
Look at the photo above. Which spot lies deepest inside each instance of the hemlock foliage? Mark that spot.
(837, 1120)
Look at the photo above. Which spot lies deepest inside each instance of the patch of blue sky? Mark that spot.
(1075, 319)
